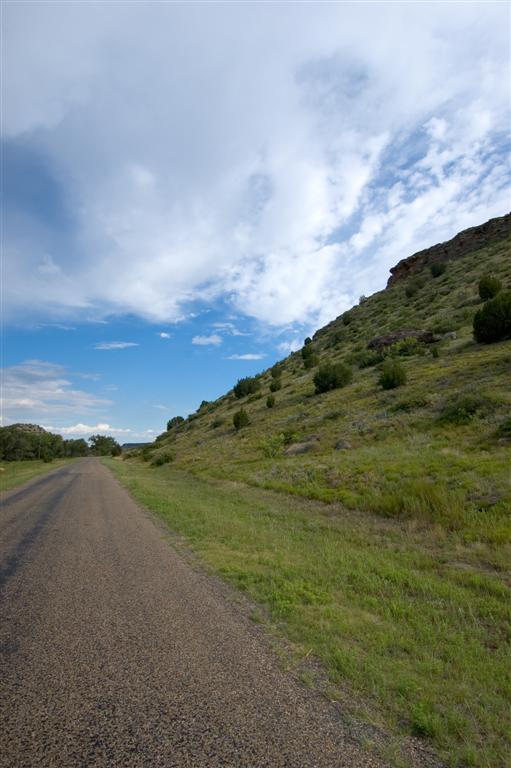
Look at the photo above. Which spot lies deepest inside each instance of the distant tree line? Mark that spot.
(24, 445)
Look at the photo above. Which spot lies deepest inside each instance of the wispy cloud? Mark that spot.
(247, 356)
(84, 429)
(214, 340)
(34, 389)
(292, 345)
(115, 344)
(229, 328)
(160, 407)
(332, 163)
(164, 335)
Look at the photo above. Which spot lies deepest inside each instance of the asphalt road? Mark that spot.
(116, 652)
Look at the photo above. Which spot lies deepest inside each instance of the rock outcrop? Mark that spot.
(27, 427)
(380, 342)
(463, 243)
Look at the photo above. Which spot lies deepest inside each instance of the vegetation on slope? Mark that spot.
(400, 583)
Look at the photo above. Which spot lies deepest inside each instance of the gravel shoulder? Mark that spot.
(117, 652)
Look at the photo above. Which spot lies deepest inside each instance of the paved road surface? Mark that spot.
(116, 652)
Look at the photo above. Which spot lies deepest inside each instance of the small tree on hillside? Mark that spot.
(488, 287)
(331, 376)
(240, 419)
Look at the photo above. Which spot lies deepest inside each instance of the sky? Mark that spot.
(190, 189)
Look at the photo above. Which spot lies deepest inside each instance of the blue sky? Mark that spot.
(192, 188)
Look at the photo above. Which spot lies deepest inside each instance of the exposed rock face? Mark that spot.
(380, 342)
(463, 243)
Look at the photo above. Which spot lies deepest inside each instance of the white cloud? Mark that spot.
(35, 389)
(164, 335)
(115, 345)
(292, 345)
(214, 339)
(229, 328)
(247, 356)
(86, 429)
(277, 199)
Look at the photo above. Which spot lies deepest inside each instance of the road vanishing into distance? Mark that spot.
(117, 652)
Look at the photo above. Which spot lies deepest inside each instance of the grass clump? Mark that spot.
(392, 374)
(332, 376)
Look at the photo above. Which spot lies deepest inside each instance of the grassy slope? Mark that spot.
(400, 584)
(14, 473)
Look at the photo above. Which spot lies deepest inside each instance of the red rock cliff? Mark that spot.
(463, 243)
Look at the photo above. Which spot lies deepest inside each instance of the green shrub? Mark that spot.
(273, 446)
(307, 341)
(270, 401)
(246, 386)
(275, 385)
(493, 321)
(410, 404)
(217, 422)
(406, 348)
(488, 287)
(347, 318)
(504, 429)
(240, 419)
(174, 422)
(414, 285)
(310, 362)
(438, 268)
(162, 458)
(392, 374)
(276, 371)
(332, 376)
(461, 409)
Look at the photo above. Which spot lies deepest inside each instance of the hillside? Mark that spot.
(429, 448)
(371, 527)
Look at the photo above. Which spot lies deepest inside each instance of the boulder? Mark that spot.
(380, 342)
(343, 445)
(297, 448)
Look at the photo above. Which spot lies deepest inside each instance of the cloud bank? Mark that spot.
(280, 156)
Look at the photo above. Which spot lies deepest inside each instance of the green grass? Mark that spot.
(14, 473)
(412, 622)
(389, 556)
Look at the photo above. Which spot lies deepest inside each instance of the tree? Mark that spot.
(493, 321)
(103, 445)
(246, 386)
(240, 419)
(174, 422)
(488, 287)
(75, 448)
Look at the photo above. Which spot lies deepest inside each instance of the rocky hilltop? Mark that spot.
(463, 243)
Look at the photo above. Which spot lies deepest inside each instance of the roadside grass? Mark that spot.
(14, 473)
(410, 619)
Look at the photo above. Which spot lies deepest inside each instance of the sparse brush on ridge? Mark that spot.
(398, 584)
